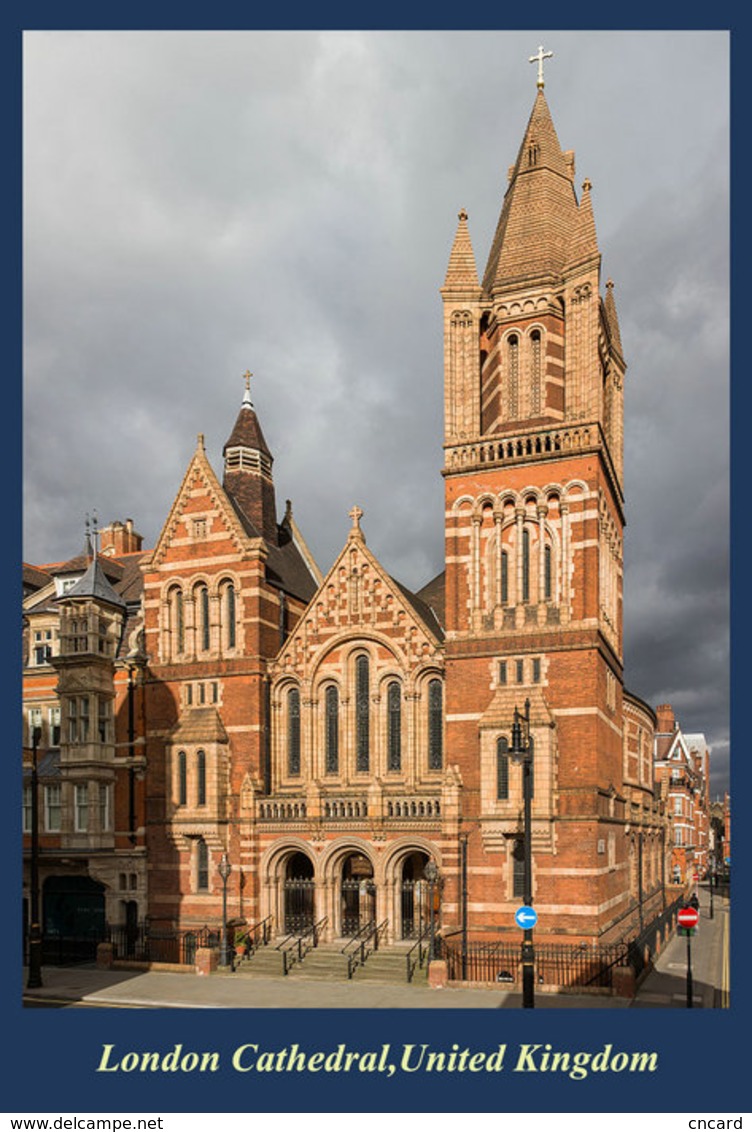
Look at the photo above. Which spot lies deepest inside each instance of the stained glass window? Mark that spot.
(435, 725)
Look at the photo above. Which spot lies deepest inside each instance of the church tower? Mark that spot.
(534, 521)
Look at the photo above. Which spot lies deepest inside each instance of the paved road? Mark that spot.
(85, 986)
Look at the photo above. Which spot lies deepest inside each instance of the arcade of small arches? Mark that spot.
(348, 887)
(199, 620)
(519, 547)
(362, 719)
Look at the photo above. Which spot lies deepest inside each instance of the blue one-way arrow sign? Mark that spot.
(526, 917)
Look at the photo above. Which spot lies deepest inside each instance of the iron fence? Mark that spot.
(581, 966)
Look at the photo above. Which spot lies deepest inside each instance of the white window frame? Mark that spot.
(105, 797)
(26, 808)
(81, 807)
(53, 805)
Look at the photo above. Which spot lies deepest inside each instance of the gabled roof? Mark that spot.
(35, 578)
(424, 611)
(286, 566)
(365, 618)
(236, 523)
(433, 594)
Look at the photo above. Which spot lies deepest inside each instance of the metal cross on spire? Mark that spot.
(539, 60)
(247, 395)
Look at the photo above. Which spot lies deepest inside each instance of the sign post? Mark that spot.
(687, 919)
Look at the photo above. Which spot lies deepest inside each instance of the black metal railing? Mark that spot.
(357, 949)
(418, 953)
(255, 936)
(146, 943)
(580, 966)
(294, 948)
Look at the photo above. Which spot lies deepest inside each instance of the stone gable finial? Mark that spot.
(356, 514)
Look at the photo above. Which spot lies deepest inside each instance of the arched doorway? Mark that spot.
(414, 912)
(357, 894)
(299, 890)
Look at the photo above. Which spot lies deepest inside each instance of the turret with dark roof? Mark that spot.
(248, 471)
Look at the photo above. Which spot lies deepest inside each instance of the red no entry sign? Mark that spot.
(688, 917)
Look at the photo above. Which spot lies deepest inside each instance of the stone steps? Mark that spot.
(327, 963)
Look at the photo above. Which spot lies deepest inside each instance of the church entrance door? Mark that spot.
(414, 902)
(299, 891)
(358, 894)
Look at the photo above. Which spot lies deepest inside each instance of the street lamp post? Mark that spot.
(35, 934)
(711, 864)
(225, 868)
(521, 752)
(431, 873)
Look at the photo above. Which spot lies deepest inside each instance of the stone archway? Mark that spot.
(357, 894)
(413, 905)
(299, 894)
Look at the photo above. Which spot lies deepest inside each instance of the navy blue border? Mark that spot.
(51, 1055)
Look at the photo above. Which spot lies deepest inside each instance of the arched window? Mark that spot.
(202, 865)
(394, 726)
(435, 725)
(203, 617)
(331, 738)
(518, 868)
(502, 768)
(201, 779)
(176, 621)
(504, 577)
(525, 564)
(547, 573)
(182, 779)
(513, 358)
(362, 714)
(228, 614)
(293, 731)
(535, 374)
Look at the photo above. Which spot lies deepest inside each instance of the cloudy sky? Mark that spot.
(202, 203)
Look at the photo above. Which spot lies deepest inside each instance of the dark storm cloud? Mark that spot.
(202, 203)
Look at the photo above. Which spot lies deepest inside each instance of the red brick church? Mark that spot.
(332, 734)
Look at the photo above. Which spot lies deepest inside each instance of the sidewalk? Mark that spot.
(665, 986)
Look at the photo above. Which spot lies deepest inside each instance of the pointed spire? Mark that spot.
(584, 245)
(540, 208)
(462, 272)
(247, 431)
(612, 318)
